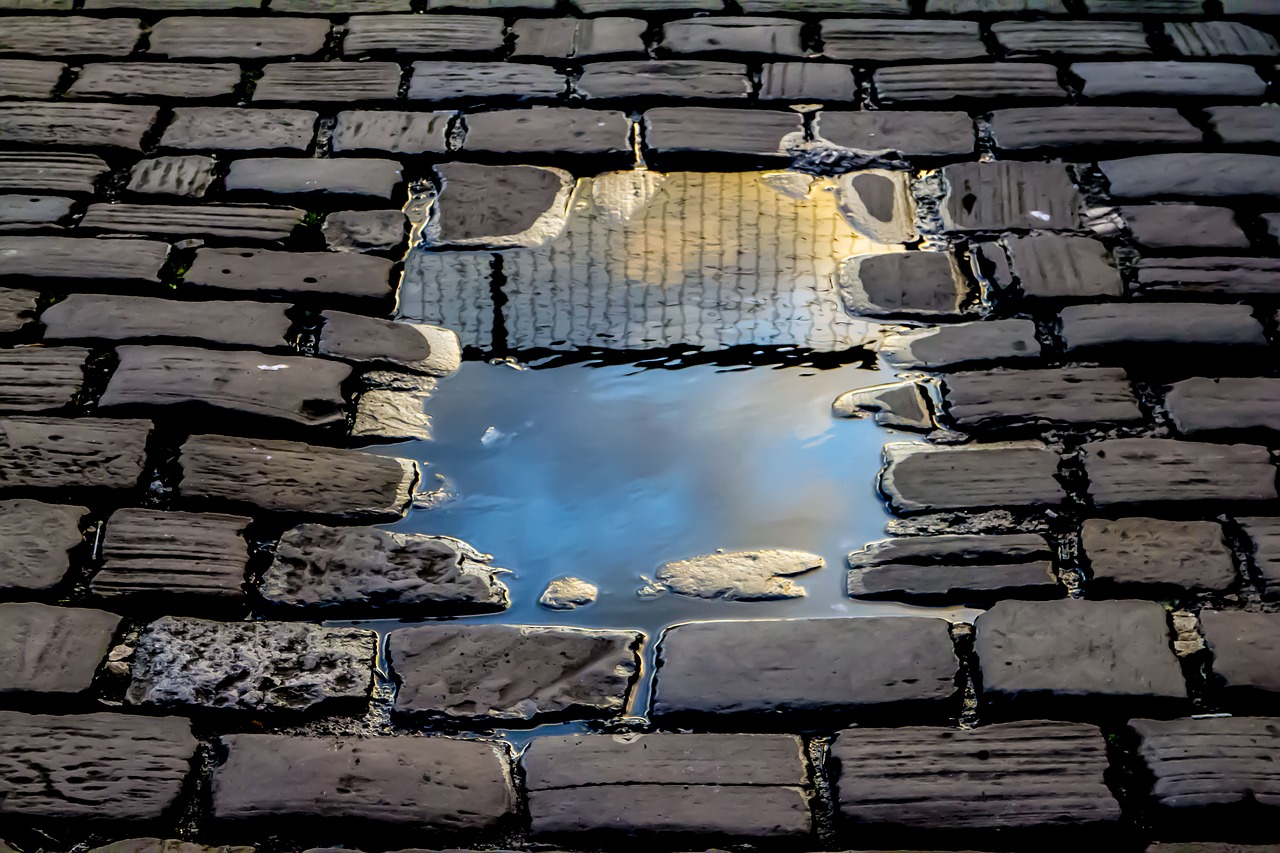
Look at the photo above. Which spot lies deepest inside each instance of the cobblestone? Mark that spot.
(36, 540)
(919, 478)
(1244, 646)
(53, 650)
(90, 316)
(189, 176)
(1071, 126)
(152, 553)
(156, 80)
(954, 569)
(1233, 760)
(1147, 551)
(40, 380)
(974, 400)
(1136, 470)
(54, 453)
(913, 134)
(1170, 226)
(217, 38)
(301, 273)
(1054, 267)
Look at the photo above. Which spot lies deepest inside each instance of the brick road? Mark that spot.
(203, 237)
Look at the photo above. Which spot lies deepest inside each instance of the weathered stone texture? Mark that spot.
(669, 78)
(1264, 533)
(1070, 126)
(1245, 647)
(911, 134)
(35, 543)
(1245, 125)
(189, 175)
(1214, 763)
(348, 176)
(423, 34)
(774, 36)
(29, 78)
(735, 575)
(87, 316)
(549, 130)
(233, 221)
(1166, 226)
(365, 230)
(1044, 266)
(231, 128)
(754, 132)
(921, 478)
(17, 308)
(1149, 551)
(962, 343)
(1168, 324)
(57, 171)
(61, 453)
(250, 38)
(293, 273)
(1071, 37)
(1220, 38)
(68, 123)
(985, 81)
(1005, 195)
(1193, 174)
(954, 568)
(185, 80)
(342, 82)
(69, 35)
(40, 379)
(411, 346)
(1065, 395)
(1138, 470)
(149, 552)
(80, 258)
(1169, 79)
(807, 81)
(578, 38)
(1202, 405)
(52, 650)
(892, 40)
(445, 81)
(401, 132)
(902, 284)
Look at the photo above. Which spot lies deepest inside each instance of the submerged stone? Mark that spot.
(879, 205)
(902, 284)
(736, 576)
(902, 405)
(499, 206)
(568, 594)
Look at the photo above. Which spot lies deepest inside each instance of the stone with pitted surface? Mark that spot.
(385, 130)
(90, 316)
(736, 575)
(341, 82)
(40, 379)
(234, 129)
(673, 78)
(1067, 127)
(52, 650)
(64, 453)
(155, 79)
(213, 37)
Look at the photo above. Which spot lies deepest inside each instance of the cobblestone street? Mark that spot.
(307, 306)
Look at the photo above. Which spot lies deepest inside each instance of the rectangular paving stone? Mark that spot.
(1244, 648)
(36, 540)
(248, 38)
(740, 785)
(365, 230)
(921, 478)
(69, 35)
(19, 212)
(1169, 324)
(386, 130)
(52, 650)
(1193, 174)
(1073, 656)
(548, 130)
(29, 78)
(127, 766)
(338, 7)
(1169, 79)
(516, 673)
(807, 81)
(1031, 775)
(295, 175)
(940, 347)
(969, 7)
(911, 134)
(186, 80)
(343, 82)
(89, 316)
(288, 476)
(57, 171)
(1220, 38)
(1248, 7)
(968, 81)
(1165, 226)
(708, 129)
(893, 40)
(1004, 195)
(418, 783)
(1227, 274)
(982, 399)
(72, 257)
(1075, 38)
(595, 7)
(773, 36)
(1052, 266)
(674, 78)
(1144, 7)
(65, 453)
(807, 666)
(40, 379)
(231, 128)
(75, 124)
(1202, 766)
(173, 5)
(17, 308)
(1070, 126)
(294, 273)
(424, 34)
(578, 38)
(255, 667)
(49, 5)
(1201, 404)
(1245, 125)
(233, 221)
(167, 554)
(902, 284)
(412, 346)
(1153, 552)
(444, 81)
(305, 391)
(1139, 470)
(189, 176)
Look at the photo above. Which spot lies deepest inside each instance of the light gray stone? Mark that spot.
(235, 129)
(1074, 395)
(568, 594)
(343, 175)
(1200, 404)
(387, 130)
(735, 576)
(365, 230)
(1150, 551)
(67, 453)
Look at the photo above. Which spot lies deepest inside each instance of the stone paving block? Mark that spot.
(306, 391)
(1193, 174)
(35, 543)
(165, 845)
(17, 308)
(1169, 324)
(370, 569)
(805, 666)
(1200, 404)
(32, 5)
(774, 36)
(52, 650)
(338, 7)
(1169, 79)
(1072, 655)
(487, 5)
(1248, 7)
(1171, 226)
(1215, 763)
(230, 128)
(25, 212)
(29, 78)
(578, 38)
(1245, 125)
(75, 124)
(908, 284)
(954, 569)
(1074, 395)
(70, 35)
(1144, 7)
(293, 273)
(293, 175)
(741, 785)
(385, 414)
(412, 346)
(233, 221)
(596, 7)
(190, 175)
(1074, 38)
(763, 133)
(969, 81)
(921, 478)
(961, 343)
(420, 783)
(673, 78)
(207, 36)
(60, 171)
(1025, 775)
(71, 257)
(970, 7)
(63, 453)
(127, 766)
(401, 132)
(911, 134)
(288, 476)
(444, 81)
(257, 667)
(549, 130)
(185, 80)
(40, 379)
(173, 5)
(1138, 470)
(1272, 222)
(499, 205)
(1149, 551)
(807, 81)
(1069, 126)
(1055, 267)
(1005, 195)
(1220, 38)
(880, 205)
(341, 82)
(1245, 647)
(88, 316)
(149, 552)
(894, 40)
(365, 230)
(423, 34)
(513, 672)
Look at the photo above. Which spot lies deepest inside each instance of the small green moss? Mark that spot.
(312, 218)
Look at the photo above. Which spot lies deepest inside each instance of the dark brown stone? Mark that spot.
(233, 221)
(89, 316)
(1075, 395)
(125, 766)
(29, 78)
(707, 129)
(902, 284)
(444, 81)
(807, 81)
(895, 39)
(1167, 324)
(64, 453)
(386, 130)
(911, 134)
(75, 124)
(35, 543)
(954, 568)
(1201, 766)
(58, 171)
(1193, 174)
(669, 79)
(69, 35)
(1148, 551)
(183, 80)
(293, 273)
(962, 343)
(248, 38)
(1245, 647)
(1138, 470)
(921, 478)
(1004, 195)
(149, 552)
(773, 36)
(413, 346)
(47, 649)
(423, 34)
(548, 130)
(970, 81)
(1071, 126)
(1167, 226)
(341, 82)
(40, 379)
(1200, 404)
(231, 128)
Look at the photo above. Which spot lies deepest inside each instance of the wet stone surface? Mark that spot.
(736, 576)
(36, 540)
(153, 553)
(1187, 554)
(54, 650)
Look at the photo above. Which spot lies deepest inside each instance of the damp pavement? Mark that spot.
(667, 425)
